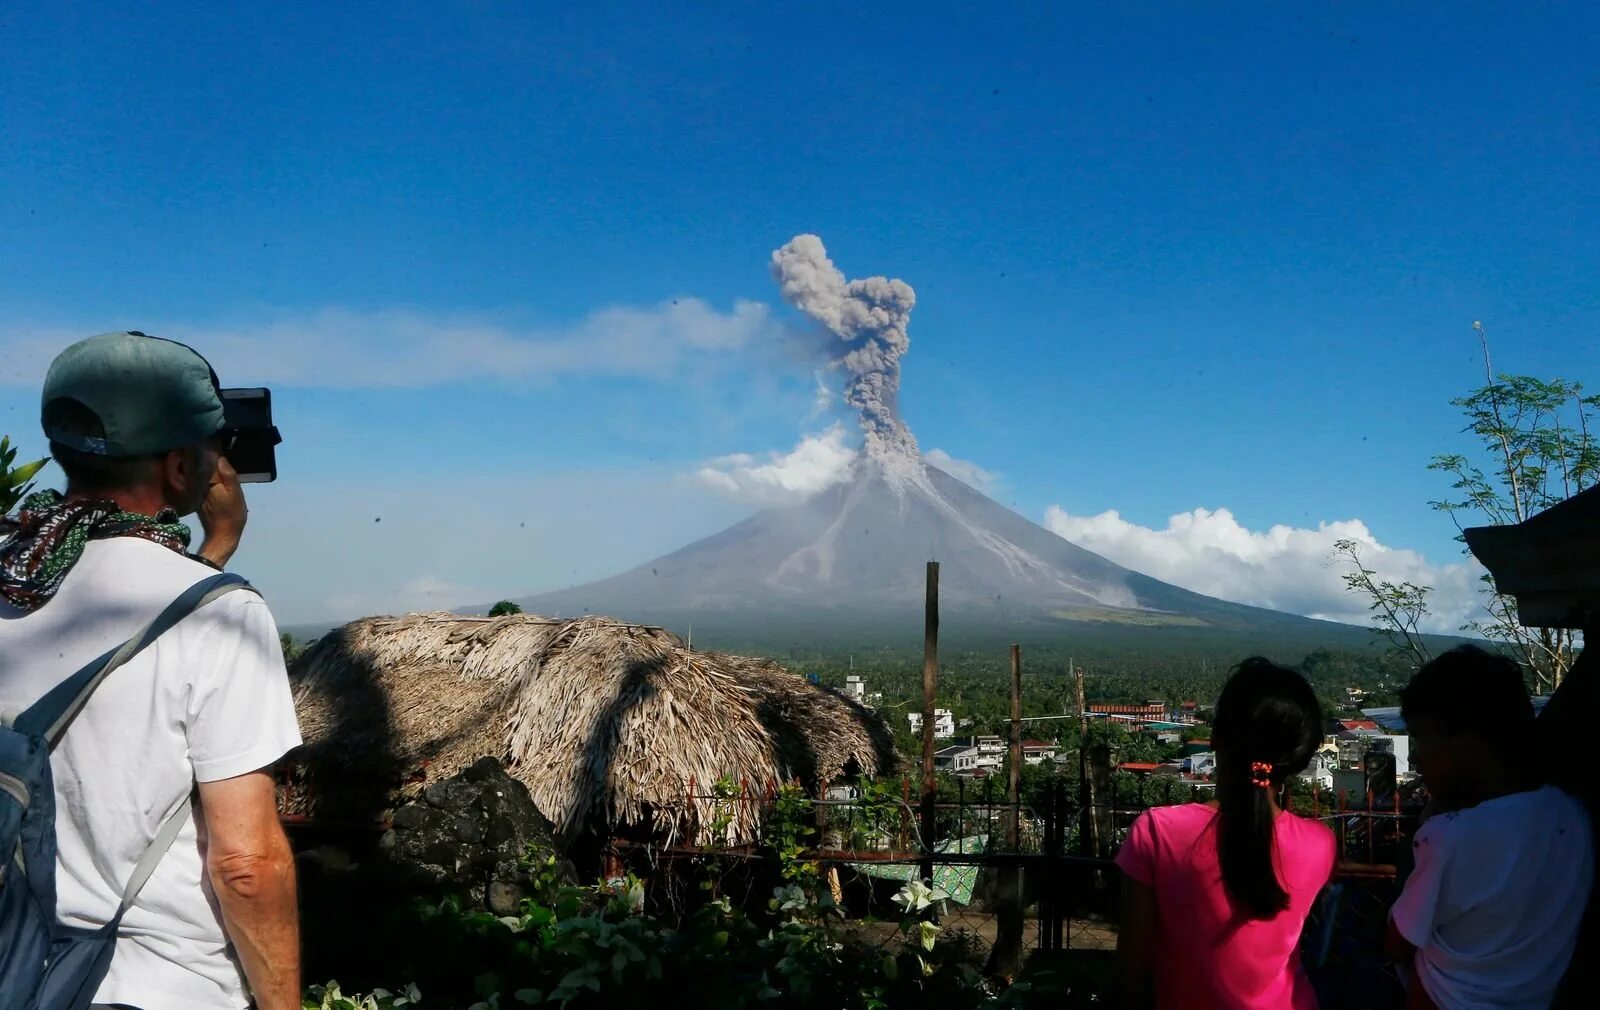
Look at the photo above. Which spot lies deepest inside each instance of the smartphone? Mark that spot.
(249, 436)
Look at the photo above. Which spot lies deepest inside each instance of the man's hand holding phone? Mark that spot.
(223, 515)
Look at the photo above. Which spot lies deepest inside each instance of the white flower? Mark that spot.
(916, 896)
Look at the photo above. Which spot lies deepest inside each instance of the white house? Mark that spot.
(855, 688)
(1320, 771)
(944, 723)
(991, 752)
(1202, 765)
(962, 759)
(1037, 752)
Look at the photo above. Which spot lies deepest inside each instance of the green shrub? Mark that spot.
(592, 947)
(585, 948)
(15, 481)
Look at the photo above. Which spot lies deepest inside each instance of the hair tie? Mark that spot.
(1261, 774)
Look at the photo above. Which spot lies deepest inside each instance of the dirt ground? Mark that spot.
(1080, 934)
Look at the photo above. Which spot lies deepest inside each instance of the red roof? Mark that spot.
(1139, 766)
(1355, 724)
(1101, 709)
(1037, 745)
(1188, 705)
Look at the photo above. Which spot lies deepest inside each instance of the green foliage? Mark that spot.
(590, 947)
(16, 480)
(1398, 608)
(594, 947)
(503, 608)
(328, 997)
(1534, 446)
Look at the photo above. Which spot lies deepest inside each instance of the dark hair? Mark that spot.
(1267, 714)
(1472, 690)
(88, 471)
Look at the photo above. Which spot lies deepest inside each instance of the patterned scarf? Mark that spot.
(50, 539)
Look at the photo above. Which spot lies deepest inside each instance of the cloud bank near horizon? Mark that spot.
(1285, 568)
(406, 348)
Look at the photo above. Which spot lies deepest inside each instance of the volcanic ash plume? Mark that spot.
(870, 316)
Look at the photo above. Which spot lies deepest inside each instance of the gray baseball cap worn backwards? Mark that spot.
(149, 395)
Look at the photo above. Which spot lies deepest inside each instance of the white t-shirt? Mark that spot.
(207, 701)
(1494, 904)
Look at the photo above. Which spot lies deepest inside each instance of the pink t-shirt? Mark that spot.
(1207, 959)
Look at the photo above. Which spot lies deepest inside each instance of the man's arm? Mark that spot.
(251, 869)
(1396, 947)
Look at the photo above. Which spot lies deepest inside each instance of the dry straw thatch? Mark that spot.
(608, 724)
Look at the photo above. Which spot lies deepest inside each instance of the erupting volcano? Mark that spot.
(855, 552)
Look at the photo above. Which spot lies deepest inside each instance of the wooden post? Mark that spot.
(1005, 957)
(1085, 795)
(930, 691)
(1101, 798)
(1014, 786)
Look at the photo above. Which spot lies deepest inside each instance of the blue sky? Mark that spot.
(1167, 256)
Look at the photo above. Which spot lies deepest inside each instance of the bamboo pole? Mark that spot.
(930, 691)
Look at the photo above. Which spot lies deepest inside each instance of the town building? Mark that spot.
(991, 752)
(1358, 738)
(960, 759)
(1200, 764)
(855, 688)
(944, 723)
(1037, 752)
(1319, 772)
(1150, 711)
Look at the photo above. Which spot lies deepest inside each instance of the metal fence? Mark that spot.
(1052, 891)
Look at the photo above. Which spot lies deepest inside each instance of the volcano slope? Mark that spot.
(849, 563)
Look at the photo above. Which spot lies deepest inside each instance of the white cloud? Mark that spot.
(1284, 568)
(815, 464)
(418, 594)
(343, 348)
(966, 471)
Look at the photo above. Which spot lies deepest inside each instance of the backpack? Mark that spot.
(45, 965)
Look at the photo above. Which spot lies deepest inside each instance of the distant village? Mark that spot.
(1366, 751)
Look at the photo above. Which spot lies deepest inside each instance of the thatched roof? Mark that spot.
(608, 724)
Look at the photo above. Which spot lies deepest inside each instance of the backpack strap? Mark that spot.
(50, 716)
(165, 836)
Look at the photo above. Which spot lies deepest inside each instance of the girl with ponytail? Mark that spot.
(1215, 894)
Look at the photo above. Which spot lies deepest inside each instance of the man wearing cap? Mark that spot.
(136, 423)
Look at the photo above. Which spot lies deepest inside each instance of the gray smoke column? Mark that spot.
(870, 316)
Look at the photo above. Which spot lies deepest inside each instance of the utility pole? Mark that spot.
(930, 692)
